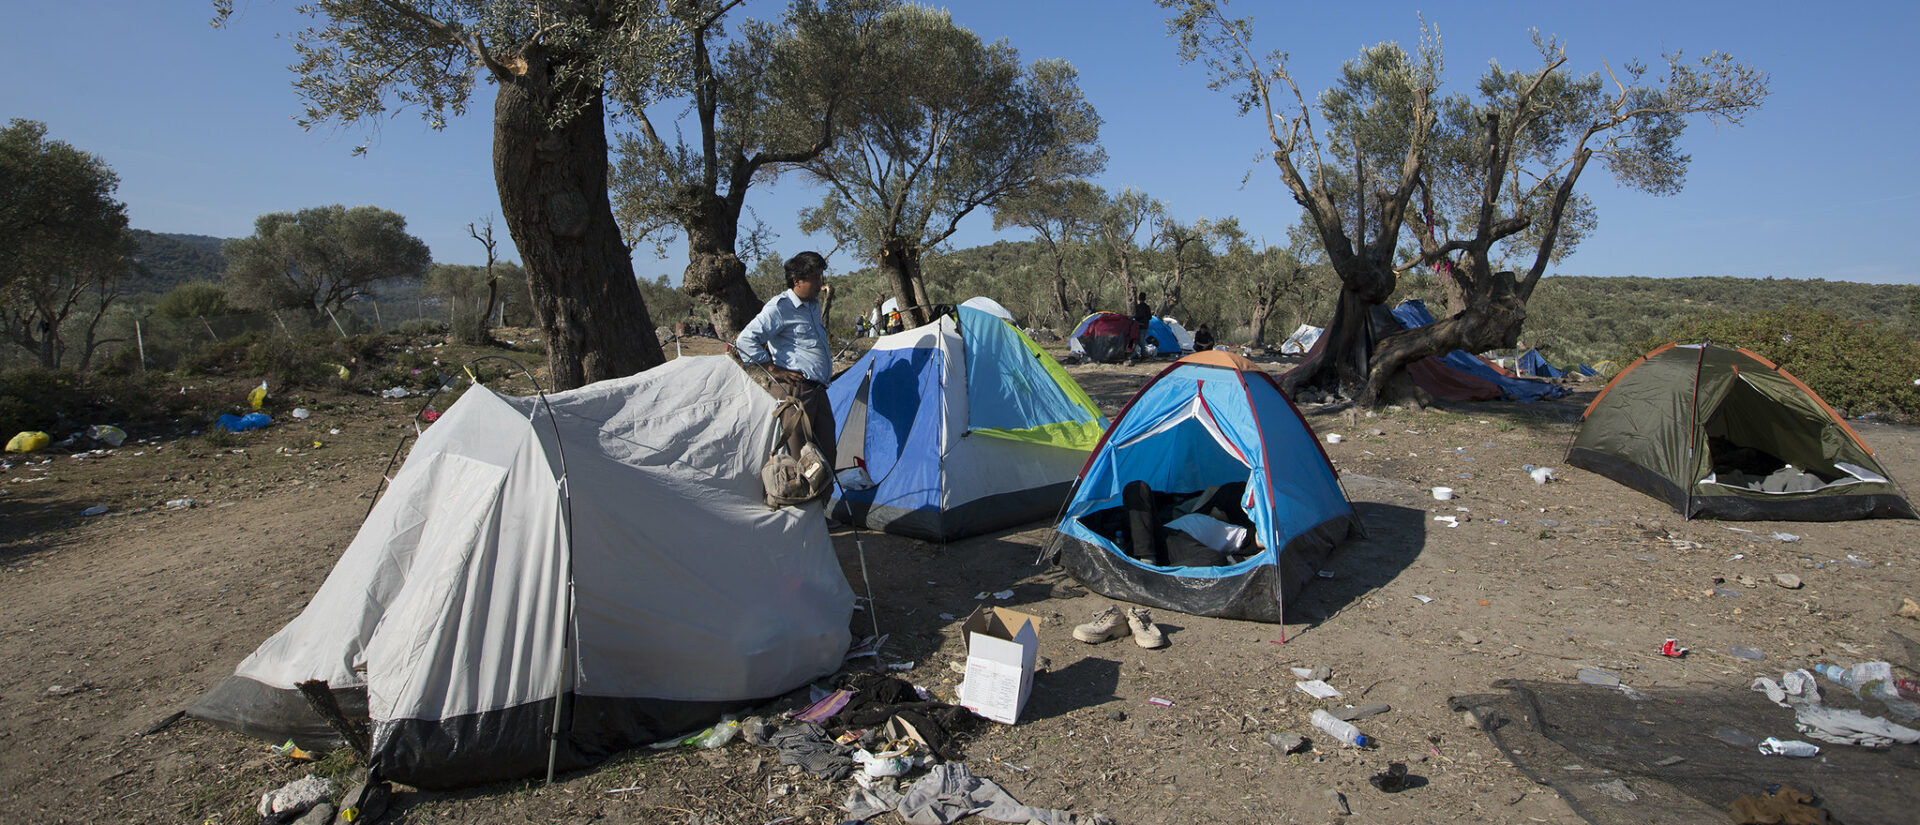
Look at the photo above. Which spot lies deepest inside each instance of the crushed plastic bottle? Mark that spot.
(1752, 654)
(1343, 731)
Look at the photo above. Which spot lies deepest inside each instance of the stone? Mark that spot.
(1117, 715)
(1286, 742)
(1337, 802)
(1469, 638)
(1360, 711)
(1787, 580)
(321, 814)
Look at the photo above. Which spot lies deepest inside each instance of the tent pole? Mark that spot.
(873, 607)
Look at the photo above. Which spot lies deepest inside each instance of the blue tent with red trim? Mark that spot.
(1210, 436)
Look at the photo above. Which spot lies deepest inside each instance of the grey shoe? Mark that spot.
(1145, 634)
(1105, 625)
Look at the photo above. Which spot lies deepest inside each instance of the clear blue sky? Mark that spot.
(198, 123)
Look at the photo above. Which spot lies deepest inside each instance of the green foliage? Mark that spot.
(173, 259)
(318, 259)
(64, 246)
(1857, 367)
(1584, 320)
(61, 402)
(194, 299)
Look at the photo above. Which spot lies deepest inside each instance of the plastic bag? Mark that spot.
(107, 434)
(242, 423)
(29, 441)
(257, 396)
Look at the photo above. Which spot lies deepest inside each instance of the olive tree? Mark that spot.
(64, 244)
(1060, 214)
(554, 67)
(318, 259)
(1495, 172)
(759, 104)
(949, 125)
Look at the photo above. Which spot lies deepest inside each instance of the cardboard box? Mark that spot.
(1002, 646)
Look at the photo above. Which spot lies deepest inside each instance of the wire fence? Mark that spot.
(139, 337)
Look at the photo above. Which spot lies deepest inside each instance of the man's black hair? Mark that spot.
(804, 265)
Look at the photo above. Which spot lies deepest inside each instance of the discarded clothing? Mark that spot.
(949, 792)
(807, 745)
(1785, 806)
(878, 698)
(1798, 691)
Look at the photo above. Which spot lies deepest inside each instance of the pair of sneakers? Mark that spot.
(1107, 624)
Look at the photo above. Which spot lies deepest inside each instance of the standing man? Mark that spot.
(1142, 317)
(789, 338)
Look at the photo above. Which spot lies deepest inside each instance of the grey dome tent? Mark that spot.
(610, 548)
(1724, 433)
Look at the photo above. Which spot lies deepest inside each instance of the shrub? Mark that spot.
(1857, 367)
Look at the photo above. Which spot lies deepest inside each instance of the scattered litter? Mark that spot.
(1618, 790)
(68, 690)
(1726, 593)
(1337, 803)
(292, 751)
(334, 431)
(1391, 780)
(1326, 574)
(1003, 595)
(107, 434)
(396, 392)
(1670, 761)
(95, 510)
(1333, 438)
(1791, 747)
(242, 423)
(1856, 561)
(28, 441)
(1752, 654)
(1601, 678)
(1423, 599)
(179, 503)
(1542, 475)
(1443, 494)
(947, 617)
(301, 413)
(900, 666)
(1672, 648)
(1450, 521)
(1318, 689)
(1785, 537)
(1737, 557)
(626, 789)
(1165, 703)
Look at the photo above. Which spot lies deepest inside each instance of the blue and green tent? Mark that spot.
(1211, 429)
(961, 427)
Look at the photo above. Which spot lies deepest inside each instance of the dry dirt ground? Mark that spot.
(110, 623)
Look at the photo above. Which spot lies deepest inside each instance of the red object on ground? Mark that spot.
(1672, 648)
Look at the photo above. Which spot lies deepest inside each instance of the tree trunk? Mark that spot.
(900, 262)
(715, 274)
(1489, 321)
(553, 196)
(1348, 341)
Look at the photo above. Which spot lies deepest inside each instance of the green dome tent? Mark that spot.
(1724, 433)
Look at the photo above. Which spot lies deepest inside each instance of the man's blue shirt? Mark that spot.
(790, 333)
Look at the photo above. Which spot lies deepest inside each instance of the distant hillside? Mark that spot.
(1588, 319)
(175, 259)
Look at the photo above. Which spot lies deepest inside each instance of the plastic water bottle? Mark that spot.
(1343, 731)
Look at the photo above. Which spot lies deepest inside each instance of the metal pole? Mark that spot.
(336, 323)
(376, 317)
(210, 335)
(141, 339)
